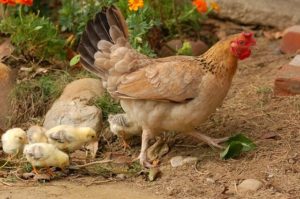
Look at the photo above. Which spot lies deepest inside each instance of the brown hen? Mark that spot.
(176, 93)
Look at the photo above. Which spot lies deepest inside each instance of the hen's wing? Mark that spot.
(168, 80)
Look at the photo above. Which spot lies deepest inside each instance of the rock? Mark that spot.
(176, 161)
(6, 85)
(180, 160)
(85, 89)
(171, 47)
(249, 185)
(287, 81)
(73, 106)
(189, 160)
(290, 42)
(210, 180)
(284, 13)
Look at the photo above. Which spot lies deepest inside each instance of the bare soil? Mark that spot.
(250, 108)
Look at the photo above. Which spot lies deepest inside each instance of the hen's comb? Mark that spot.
(247, 34)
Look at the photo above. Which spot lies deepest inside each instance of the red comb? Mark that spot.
(247, 34)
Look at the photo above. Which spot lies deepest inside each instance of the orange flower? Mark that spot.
(135, 4)
(25, 2)
(215, 6)
(201, 5)
(9, 2)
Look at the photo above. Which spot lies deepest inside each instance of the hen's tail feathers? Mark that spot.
(102, 35)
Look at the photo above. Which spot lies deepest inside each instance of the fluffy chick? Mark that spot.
(69, 138)
(123, 127)
(45, 155)
(36, 134)
(13, 141)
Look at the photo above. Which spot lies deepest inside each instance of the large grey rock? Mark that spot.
(276, 13)
(74, 108)
(6, 85)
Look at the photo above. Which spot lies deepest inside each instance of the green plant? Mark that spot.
(73, 15)
(236, 145)
(107, 105)
(34, 36)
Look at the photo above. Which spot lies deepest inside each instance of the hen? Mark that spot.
(175, 93)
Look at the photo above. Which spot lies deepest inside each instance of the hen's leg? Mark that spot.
(209, 140)
(146, 136)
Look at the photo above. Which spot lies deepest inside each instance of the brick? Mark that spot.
(287, 82)
(290, 42)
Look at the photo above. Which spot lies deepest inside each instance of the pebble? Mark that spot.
(180, 160)
(249, 185)
(176, 161)
(210, 180)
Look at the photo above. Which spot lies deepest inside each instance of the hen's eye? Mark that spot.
(241, 42)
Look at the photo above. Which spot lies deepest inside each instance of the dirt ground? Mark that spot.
(250, 108)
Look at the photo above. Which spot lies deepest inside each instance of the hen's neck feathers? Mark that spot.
(219, 60)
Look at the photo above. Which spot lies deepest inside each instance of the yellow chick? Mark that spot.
(36, 134)
(69, 138)
(13, 141)
(45, 155)
(121, 126)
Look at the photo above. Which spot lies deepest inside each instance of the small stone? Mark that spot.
(291, 161)
(121, 176)
(287, 81)
(42, 177)
(291, 40)
(179, 160)
(210, 180)
(189, 160)
(176, 161)
(28, 175)
(249, 185)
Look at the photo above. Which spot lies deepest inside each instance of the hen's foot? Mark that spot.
(214, 142)
(144, 160)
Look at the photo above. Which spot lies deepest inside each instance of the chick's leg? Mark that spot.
(146, 136)
(49, 171)
(209, 140)
(124, 142)
(35, 171)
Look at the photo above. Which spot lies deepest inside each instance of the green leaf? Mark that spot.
(232, 150)
(236, 145)
(75, 60)
(246, 142)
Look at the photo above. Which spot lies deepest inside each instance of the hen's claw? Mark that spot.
(208, 140)
(143, 161)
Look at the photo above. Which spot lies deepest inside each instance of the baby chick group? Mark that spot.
(46, 148)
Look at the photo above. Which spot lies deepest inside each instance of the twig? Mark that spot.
(5, 183)
(89, 164)
(99, 182)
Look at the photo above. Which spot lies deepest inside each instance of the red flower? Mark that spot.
(25, 2)
(9, 2)
(201, 5)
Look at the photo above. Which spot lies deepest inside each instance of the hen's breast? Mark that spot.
(181, 117)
